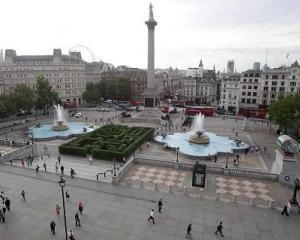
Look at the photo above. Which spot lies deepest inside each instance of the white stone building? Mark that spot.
(278, 82)
(230, 94)
(67, 74)
(195, 72)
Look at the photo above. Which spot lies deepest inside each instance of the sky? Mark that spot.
(114, 31)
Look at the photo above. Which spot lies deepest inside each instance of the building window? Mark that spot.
(281, 89)
(266, 89)
(244, 80)
(255, 94)
(282, 83)
(292, 83)
(253, 100)
(256, 74)
(273, 89)
(244, 87)
(283, 76)
(255, 80)
(292, 89)
(275, 76)
(248, 100)
(248, 93)
(250, 80)
(243, 100)
(243, 93)
(254, 87)
(293, 77)
(273, 96)
(249, 87)
(265, 95)
(274, 83)
(266, 83)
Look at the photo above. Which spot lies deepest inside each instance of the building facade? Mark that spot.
(67, 74)
(277, 82)
(229, 94)
(230, 67)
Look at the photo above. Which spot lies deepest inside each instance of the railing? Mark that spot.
(111, 171)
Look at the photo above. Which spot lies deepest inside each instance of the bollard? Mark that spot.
(217, 196)
(234, 198)
(97, 177)
(271, 204)
(185, 190)
(141, 184)
(171, 189)
(252, 201)
(104, 174)
(156, 186)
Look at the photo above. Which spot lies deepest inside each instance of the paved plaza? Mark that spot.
(120, 211)
(114, 212)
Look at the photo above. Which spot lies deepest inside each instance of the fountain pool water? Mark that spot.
(60, 128)
(217, 144)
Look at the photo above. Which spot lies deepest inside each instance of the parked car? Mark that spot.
(125, 115)
(78, 115)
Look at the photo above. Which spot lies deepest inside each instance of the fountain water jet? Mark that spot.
(60, 123)
(198, 127)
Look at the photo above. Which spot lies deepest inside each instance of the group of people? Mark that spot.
(5, 206)
(189, 227)
(77, 219)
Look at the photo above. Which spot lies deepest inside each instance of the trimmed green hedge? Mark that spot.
(108, 142)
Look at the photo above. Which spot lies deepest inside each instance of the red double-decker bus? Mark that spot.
(194, 110)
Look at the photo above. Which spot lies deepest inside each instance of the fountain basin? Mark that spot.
(216, 145)
(45, 132)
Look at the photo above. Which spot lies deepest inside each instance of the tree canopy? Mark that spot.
(24, 97)
(286, 113)
(46, 97)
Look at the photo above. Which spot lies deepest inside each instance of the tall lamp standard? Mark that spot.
(177, 152)
(32, 142)
(62, 184)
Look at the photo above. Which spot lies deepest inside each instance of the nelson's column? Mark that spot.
(150, 95)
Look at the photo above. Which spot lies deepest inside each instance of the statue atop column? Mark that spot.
(151, 12)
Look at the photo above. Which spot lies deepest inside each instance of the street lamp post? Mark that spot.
(177, 152)
(32, 136)
(114, 168)
(62, 184)
(226, 162)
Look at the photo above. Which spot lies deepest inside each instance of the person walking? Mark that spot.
(219, 229)
(3, 207)
(23, 195)
(216, 158)
(77, 220)
(160, 205)
(22, 161)
(285, 210)
(57, 209)
(71, 235)
(7, 203)
(151, 216)
(52, 227)
(2, 216)
(80, 208)
(67, 195)
(56, 167)
(90, 160)
(188, 231)
(37, 167)
(62, 169)
(72, 173)
(45, 166)
(58, 159)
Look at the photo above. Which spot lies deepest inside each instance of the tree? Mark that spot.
(46, 96)
(286, 112)
(91, 94)
(24, 98)
(124, 90)
(7, 106)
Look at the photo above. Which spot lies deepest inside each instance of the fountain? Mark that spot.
(198, 126)
(60, 123)
(198, 143)
(60, 128)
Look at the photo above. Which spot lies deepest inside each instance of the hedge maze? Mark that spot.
(108, 142)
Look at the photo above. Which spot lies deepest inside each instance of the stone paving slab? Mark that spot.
(227, 186)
